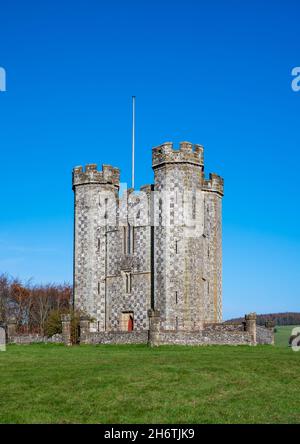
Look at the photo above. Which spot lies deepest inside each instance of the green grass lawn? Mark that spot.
(283, 334)
(137, 384)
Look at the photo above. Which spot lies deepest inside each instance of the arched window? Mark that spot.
(128, 239)
(128, 282)
(124, 239)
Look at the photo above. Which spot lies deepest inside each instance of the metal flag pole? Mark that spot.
(133, 139)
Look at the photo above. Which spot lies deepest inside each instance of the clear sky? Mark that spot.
(216, 73)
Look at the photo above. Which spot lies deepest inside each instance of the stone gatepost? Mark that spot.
(270, 325)
(154, 326)
(2, 339)
(84, 330)
(66, 329)
(250, 326)
(11, 328)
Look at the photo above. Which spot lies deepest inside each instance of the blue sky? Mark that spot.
(216, 73)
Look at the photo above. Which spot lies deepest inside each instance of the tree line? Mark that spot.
(34, 308)
(288, 318)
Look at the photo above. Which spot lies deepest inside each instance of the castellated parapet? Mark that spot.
(214, 184)
(108, 175)
(187, 153)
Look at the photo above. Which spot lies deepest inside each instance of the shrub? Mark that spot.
(53, 325)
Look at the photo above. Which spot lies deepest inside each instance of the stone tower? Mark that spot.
(95, 197)
(154, 251)
(187, 239)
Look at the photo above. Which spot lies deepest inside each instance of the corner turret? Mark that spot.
(214, 184)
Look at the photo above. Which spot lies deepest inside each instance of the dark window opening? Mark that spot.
(133, 240)
(128, 282)
(105, 212)
(160, 212)
(194, 207)
(124, 239)
(129, 239)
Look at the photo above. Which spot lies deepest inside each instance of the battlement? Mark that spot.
(108, 175)
(187, 153)
(147, 188)
(214, 184)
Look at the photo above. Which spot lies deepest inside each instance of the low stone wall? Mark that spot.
(205, 337)
(116, 337)
(246, 333)
(31, 339)
(216, 334)
(224, 327)
(264, 335)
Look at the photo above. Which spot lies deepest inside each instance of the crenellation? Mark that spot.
(214, 184)
(90, 167)
(186, 147)
(187, 153)
(91, 175)
(111, 174)
(146, 188)
(77, 169)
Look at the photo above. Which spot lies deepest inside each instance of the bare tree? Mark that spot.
(21, 298)
(5, 286)
(30, 305)
(41, 306)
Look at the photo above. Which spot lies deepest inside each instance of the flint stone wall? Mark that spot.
(208, 336)
(31, 339)
(116, 337)
(212, 334)
(264, 335)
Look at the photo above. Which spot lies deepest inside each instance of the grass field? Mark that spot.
(283, 334)
(136, 384)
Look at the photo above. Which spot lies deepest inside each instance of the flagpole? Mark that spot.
(133, 139)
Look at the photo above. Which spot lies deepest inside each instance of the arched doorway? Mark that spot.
(127, 321)
(130, 323)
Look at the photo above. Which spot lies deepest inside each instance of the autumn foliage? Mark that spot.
(35, 308)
